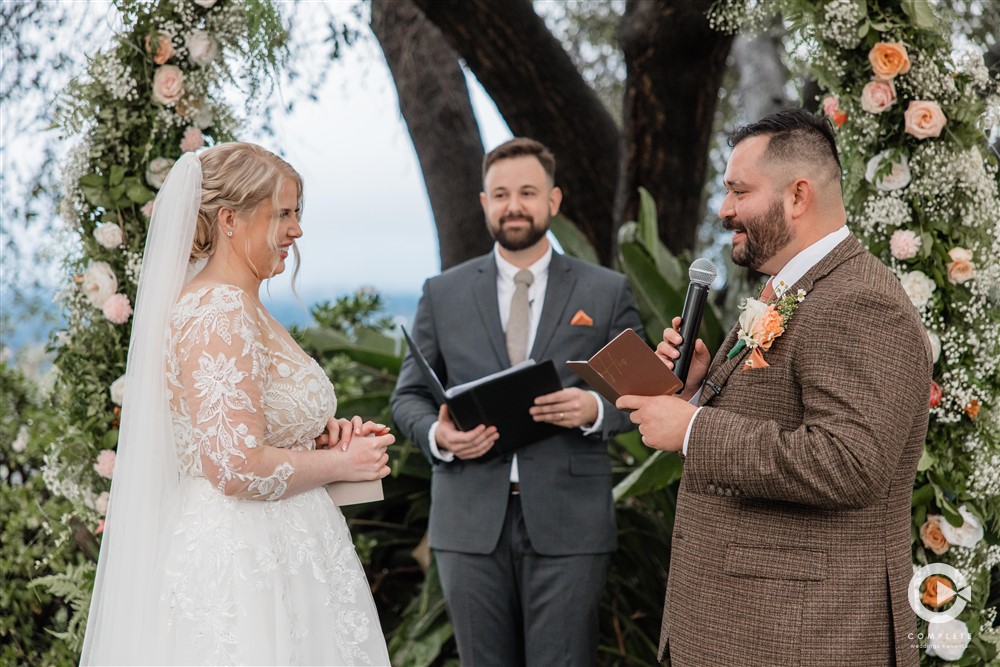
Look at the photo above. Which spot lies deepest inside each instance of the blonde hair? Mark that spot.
(240, 176)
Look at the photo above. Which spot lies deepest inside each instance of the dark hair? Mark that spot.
(520, 147)
(795, 134)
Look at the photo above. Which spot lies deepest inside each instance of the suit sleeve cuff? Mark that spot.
(687, 433)
(433, 446)
(599, 422)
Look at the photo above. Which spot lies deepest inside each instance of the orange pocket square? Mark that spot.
(581, 319)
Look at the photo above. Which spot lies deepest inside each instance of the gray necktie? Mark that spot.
(520, 316)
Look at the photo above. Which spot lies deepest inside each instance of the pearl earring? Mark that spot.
(229, 233)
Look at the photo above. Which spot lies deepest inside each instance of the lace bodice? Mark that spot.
(240, 391)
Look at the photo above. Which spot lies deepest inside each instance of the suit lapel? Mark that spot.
(484, 290)
(722, 367)
(560, 286)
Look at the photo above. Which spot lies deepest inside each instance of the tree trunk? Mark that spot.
(542, 95)
(434, 101)
(675, 66)
(763, 75)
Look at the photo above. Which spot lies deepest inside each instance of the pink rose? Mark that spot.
(105, 465)
(100, 527)
(904, 244)
(117, 308)
(193, 140)
(147, 208)
(168, 85)
(936, 394)
(924, 119)
(877, 96)
(831, 107)
(164, 48)
(961, 268)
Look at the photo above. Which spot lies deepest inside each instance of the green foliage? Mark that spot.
(32, 620)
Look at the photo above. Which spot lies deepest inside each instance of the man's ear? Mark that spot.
(800, 196)
(482, 202)
(555, 199)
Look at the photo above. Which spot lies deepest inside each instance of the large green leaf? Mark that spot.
(572, 240)
(658, 301)
(326, 341)
(658, 472)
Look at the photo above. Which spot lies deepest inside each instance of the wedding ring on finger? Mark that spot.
(562, 415)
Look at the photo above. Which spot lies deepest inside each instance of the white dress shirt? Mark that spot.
(789, 274)
(536, 298)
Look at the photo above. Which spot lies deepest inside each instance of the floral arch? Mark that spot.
(913, 123)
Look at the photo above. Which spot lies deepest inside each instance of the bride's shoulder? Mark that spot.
(198, 298)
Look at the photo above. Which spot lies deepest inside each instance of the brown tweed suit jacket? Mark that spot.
(791, 544)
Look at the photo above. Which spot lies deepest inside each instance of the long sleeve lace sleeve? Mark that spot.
(220, 368)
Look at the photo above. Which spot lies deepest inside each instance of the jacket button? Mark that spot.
(720, 491)
(729, 492)
(711, 488)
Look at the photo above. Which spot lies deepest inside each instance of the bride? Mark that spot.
(221, 545)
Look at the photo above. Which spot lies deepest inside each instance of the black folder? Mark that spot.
(500, 400)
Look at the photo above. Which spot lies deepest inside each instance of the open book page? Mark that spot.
(459, 388)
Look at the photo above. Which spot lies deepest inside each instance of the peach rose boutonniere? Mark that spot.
(889, 59)
(761, 323)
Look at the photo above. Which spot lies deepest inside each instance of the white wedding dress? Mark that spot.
(260, 574)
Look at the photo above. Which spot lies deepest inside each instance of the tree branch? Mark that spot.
(434, 102)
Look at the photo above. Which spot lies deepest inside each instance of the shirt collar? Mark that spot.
(809, 257)
(507, 270)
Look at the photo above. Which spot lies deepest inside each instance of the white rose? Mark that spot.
(21, 441)
(935, 341)
(968, 534)
(118, 390)
(99, 282)
(203, 117)
(207, 4)
(101, 504)
(202, 48)
(948, 640)
(157, 171)
(918, 287)
(897, 178)
(109, 235)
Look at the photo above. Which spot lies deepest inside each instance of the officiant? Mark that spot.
(523, 539)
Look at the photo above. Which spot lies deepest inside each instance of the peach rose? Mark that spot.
(931, 535)
(937, 591)
(972, 409)
(961, 268)
(877, 96)
(924, 119)
(768, 327)
(164, 48)
(889, 59)
(168, 85)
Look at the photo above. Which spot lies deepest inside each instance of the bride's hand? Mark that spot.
(339, 432)
(366, 459)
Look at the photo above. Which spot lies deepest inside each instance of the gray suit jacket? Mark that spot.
(791, 544)
(565, 479)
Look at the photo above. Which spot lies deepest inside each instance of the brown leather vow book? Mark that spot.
(627, 366)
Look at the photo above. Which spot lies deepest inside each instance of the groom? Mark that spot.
(522, 541)
(791, 544)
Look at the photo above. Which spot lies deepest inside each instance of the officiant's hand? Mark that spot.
(571, 408)
(662, 420)
(463, 444)
(667, 352)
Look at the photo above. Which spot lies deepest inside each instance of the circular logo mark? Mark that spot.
(942, 584)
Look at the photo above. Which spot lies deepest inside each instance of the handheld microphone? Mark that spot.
(702, 274)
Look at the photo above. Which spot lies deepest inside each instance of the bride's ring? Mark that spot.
(561, 415)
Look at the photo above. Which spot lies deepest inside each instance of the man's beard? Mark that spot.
(764, 236)
(510, 240)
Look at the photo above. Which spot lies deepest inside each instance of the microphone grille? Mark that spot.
(702, 271)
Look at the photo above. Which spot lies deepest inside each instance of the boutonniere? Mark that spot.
(761, 323)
